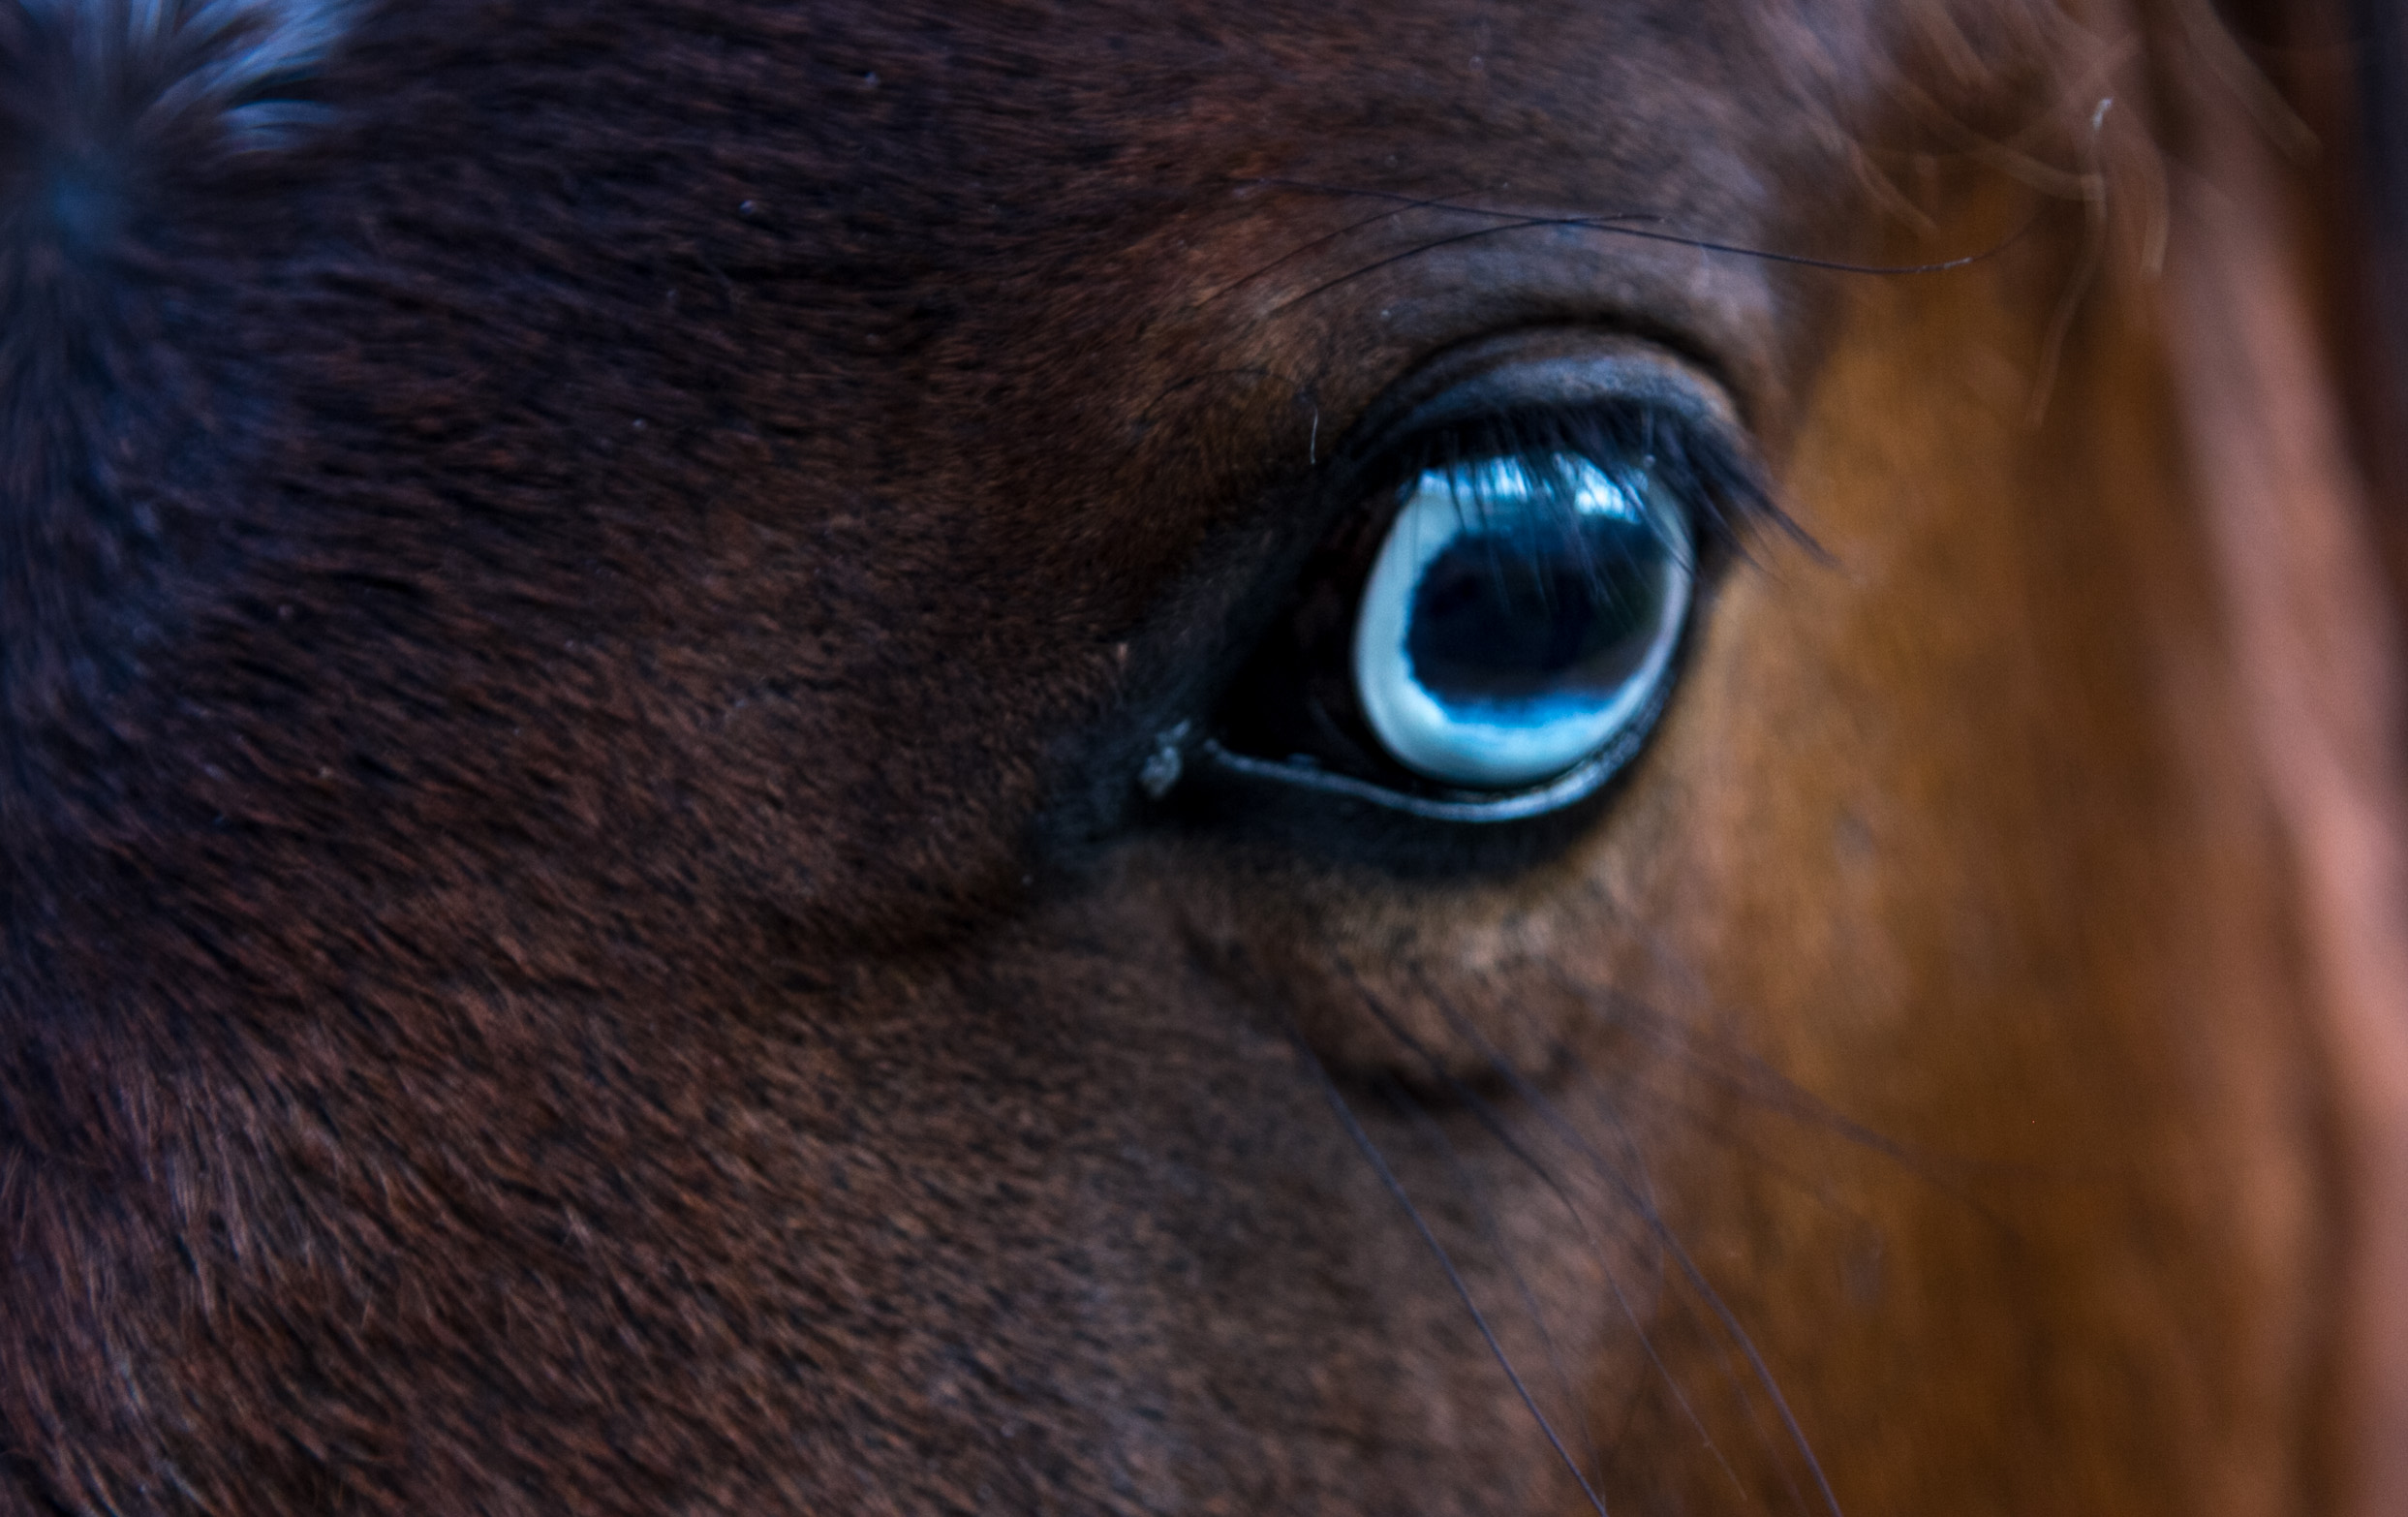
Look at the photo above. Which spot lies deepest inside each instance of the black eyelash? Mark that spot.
(1642, 447)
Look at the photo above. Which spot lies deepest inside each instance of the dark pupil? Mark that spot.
(1505, 618)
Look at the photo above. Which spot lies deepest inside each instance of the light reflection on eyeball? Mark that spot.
(1521, 617)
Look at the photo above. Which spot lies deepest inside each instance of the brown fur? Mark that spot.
(577, 624)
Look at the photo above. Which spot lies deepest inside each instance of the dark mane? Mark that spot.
(2380, 30)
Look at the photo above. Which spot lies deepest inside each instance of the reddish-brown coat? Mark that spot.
(576, 637)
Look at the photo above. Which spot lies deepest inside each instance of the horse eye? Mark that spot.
(1489, 637)
(1520, 619)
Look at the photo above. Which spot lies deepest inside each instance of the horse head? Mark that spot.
(1199, 758)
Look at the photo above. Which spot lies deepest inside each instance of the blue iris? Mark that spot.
(1521, 618)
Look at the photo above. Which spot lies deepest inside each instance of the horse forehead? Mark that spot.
(1243, 68)
(1008, 131)
(1068, 212)
(1007, 142)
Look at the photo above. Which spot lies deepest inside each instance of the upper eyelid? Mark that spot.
(1562, 371)
(1551, 369)
(1702, 460)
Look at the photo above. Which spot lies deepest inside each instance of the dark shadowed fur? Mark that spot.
(583, 591)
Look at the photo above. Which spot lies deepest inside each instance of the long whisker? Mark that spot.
(1399, 207)
(1696, 1277)
(1436, 1135)
(1621, 224)
(1747, 1076)
(1523, 223)
(1495, 1124)
(1378, 1161)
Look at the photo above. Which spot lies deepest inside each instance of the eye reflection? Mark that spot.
(1521, 617)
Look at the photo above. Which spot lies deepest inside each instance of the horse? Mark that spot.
(1061, 756)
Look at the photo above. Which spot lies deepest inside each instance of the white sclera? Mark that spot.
(1507, 744)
